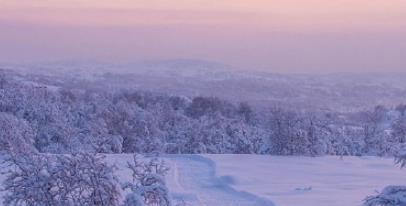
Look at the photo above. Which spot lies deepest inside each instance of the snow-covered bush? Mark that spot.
(391, 195)
(81, 179)
(148, 184)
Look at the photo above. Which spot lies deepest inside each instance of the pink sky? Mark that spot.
(276, 35)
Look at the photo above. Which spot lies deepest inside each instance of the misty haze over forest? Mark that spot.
(186, 77)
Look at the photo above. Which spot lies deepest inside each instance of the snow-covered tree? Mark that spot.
(399, 129)
(81, 179)
(373, 131)
(15, 134)
(133, 199)
(3, 79)
(148, 183)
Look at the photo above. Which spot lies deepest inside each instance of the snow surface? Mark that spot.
(238, 180)
(306, 181)
(254, 180)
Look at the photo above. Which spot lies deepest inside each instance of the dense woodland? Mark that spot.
(39, 117)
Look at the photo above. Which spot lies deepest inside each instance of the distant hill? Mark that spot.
(341, 91)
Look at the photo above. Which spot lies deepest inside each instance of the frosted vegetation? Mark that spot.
(47, 114)
(391, 195)
(82, 179)
(40, 113)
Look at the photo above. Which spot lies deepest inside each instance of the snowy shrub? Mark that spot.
(391, 195)
(82, 179)
(29, 183)
(148, 183)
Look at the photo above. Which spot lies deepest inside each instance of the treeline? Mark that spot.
(49, 119)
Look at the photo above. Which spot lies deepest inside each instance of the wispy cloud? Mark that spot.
(289, 15)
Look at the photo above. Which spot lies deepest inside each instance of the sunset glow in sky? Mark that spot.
(274, 35)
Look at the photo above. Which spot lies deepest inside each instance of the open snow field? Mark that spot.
(253, 180)
(306, 181)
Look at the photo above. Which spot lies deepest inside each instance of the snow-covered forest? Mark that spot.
(39, 113)
(56, 128)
